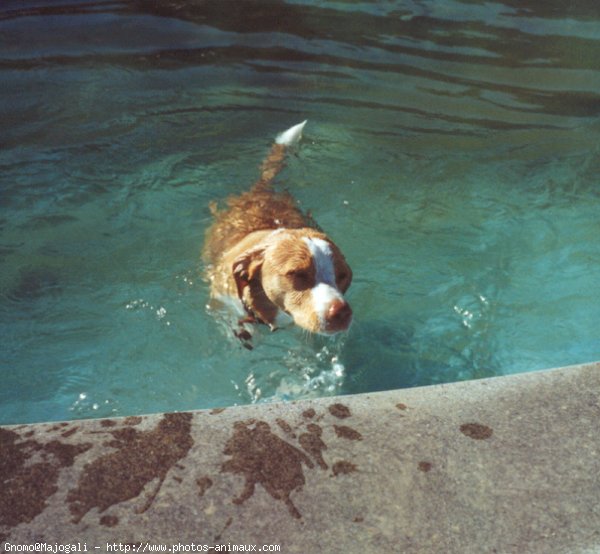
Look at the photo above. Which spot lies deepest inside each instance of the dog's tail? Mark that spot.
(292, 136)
(274, 162)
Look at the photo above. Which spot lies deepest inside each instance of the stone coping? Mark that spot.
(502, 465)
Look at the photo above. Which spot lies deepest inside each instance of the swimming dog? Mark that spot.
(275, 264)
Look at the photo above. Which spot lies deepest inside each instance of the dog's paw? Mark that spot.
(244, 336)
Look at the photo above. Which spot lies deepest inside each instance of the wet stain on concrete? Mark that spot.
(476, 431)
(343, 467)
(312, 443)
(69, 432)
(227, 524)
(109, 521)
(204, 483)
(261, 457)
(139, 458)
(309, 414)
(345, 432)
(425, 467)
(264, 458)
(30, 471)
(57, 427)
(286, 427)
(340, 411)
(138, 462)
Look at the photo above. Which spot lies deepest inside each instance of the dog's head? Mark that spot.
(299, 272)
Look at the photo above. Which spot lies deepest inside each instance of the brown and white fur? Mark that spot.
(268, 257)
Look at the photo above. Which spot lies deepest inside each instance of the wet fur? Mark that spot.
(257, 209)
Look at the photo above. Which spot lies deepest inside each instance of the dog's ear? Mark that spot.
(247, 267)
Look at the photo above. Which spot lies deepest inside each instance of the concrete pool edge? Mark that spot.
(508, 464)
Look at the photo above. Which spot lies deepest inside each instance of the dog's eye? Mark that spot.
(300, 278)
(300, 274)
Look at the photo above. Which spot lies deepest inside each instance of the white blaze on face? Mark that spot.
(325, 290)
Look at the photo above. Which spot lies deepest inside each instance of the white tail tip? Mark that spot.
(292, 136)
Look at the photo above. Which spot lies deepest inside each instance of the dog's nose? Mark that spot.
(339, 315)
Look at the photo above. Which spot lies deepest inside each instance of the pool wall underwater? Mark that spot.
(507, 464)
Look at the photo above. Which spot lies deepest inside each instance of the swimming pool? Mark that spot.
(452, 151)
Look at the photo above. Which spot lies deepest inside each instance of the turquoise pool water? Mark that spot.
(452, 151)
